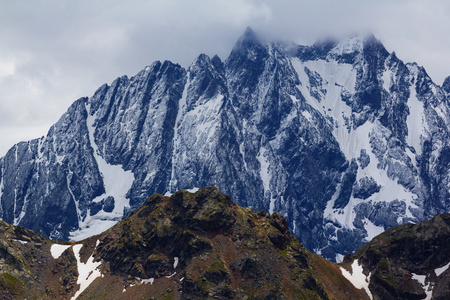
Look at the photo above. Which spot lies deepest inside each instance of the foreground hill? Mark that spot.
(188, 246)
(203, 246)
(342, 138)
(407, 262)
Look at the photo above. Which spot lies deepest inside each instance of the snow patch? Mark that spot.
(341, 78)
(307, 115)
(339, 258)
(93, 225)
(357, 277)
(57, 250)
(175, 263)
(193, 190)
(387, 78)
(349, 46)
(117, 181)
(265, 177)
(264, 170)
(87, 272)
(145, 281)
(20, 241)
(176, 138)
(343, 216)
(59, 159)
(426, 287)
(351, 145)
(441, 270)
(372, 229)
(415, 121)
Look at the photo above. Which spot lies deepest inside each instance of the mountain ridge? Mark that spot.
(342, 138)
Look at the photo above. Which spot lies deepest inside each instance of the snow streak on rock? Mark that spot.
(116, 181)
(357, 277)
(87, 272)
(426, 286)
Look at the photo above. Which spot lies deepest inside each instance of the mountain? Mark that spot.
(342, 138)
(410, 261)
(188, 246)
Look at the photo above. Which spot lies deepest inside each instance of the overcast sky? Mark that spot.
(53, 52)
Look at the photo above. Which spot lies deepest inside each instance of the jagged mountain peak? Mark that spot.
(341, 138)
(446, 84)
(342, 49)
(373, 45)
(249, 35)
(201, 63)
(249, 44)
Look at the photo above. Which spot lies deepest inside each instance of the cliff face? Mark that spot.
(342, 138)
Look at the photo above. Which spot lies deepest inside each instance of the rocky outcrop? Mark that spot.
(28, 270)
(188, 246)
(409, 261)
(203, 246)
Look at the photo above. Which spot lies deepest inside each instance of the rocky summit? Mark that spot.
(187, 246)
(410, 261)
(342, 138)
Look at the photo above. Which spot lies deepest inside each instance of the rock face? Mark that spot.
(341, 138)
(188, 246)
(27, 269)
(409, 261)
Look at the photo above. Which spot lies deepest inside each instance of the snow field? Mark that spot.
(339, 78)
(117, 182)
(415, 122)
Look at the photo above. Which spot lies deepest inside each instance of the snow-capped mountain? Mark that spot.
(342, 138)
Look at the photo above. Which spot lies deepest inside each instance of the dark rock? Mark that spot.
(365, 187)
(364, 159)
(108, 205)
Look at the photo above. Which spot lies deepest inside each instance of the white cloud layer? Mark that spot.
(53, 52)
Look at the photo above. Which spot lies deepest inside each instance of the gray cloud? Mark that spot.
(53, 52)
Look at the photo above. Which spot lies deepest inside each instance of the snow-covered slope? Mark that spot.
(342, 138)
